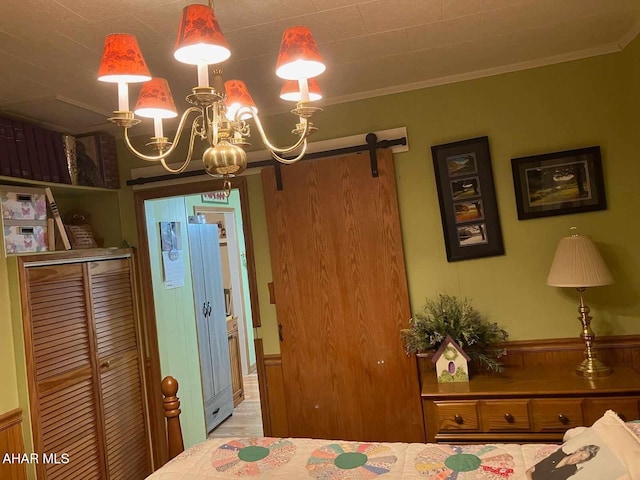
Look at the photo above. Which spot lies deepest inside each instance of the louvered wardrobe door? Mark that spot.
(65, 407)
(120, 375)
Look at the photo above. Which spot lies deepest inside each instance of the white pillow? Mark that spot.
(607, 450)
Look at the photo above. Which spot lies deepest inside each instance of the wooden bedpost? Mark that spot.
(171, 404)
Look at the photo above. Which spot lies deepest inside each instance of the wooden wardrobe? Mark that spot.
(83, 364)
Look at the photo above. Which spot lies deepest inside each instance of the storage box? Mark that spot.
(23, 203)
(21, 236)
(24, 219)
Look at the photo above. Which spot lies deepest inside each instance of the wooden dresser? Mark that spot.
(234, 359)
(525, 404)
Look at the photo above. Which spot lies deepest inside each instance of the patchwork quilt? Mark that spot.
(297, 459)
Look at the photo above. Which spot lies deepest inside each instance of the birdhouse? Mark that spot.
(451, 362)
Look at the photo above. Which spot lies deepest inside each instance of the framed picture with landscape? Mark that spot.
(464, 179)
(559, 183)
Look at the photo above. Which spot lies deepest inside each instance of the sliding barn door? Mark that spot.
(341, 300)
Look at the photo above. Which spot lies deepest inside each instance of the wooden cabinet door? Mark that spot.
(213, 349)
(341, 299)
(116, 330)
(64, 396)
(234, 357)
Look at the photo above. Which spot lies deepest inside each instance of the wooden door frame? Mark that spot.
(152, 360)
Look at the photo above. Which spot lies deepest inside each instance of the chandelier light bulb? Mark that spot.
(299, 56)
(155, 100)
(200, 39)
(122, 60)
(238, 96)
(291, 90)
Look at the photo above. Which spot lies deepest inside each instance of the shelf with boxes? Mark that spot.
(81, 172)
(28, 220)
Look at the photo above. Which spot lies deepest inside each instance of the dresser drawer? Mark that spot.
(556, 414)
(457, 415)
(500, 415)
(625, 407)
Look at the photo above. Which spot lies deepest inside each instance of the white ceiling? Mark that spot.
(50, 49)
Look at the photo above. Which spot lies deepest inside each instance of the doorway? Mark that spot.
(234, 272)
(173, 352)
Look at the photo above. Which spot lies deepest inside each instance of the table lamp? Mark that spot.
(578, 264)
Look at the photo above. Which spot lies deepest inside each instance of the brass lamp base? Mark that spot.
(592, 368)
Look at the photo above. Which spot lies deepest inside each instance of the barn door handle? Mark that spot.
(280, 332)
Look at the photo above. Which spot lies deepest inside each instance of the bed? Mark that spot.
(609, 449)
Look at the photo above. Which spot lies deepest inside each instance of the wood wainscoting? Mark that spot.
(564, 353)
(11, 442)
(272, 397)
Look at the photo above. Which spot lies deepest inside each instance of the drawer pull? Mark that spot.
(563, 419)
(509, 418)
(458, 419)
(216, 411)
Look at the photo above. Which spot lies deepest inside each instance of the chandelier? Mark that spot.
(219, 109)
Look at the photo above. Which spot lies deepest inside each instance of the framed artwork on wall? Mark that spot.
(89, 161)
(559, 183)
(464, 179)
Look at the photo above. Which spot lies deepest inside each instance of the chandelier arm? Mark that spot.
(184, 166)
(155, 158)
(272, 148)
(289, 161)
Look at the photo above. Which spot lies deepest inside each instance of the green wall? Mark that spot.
(570, 105)
(565, 106)
(175, 319)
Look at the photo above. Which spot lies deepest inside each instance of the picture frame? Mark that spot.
(467, 198)
(559, 183)
(88, 157)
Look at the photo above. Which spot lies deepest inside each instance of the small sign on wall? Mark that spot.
(215, 197)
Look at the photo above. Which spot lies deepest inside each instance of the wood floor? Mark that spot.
(246, 420)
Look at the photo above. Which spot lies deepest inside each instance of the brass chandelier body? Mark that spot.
(210, 116)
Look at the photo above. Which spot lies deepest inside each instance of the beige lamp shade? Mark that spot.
(577, 263)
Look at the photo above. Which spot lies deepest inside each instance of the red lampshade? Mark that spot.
(200, 39)
(155, 100)
(122, 60)
(238, 96)
(291, 90)
(299, 56)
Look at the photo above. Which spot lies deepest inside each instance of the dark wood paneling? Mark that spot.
(11, 442)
